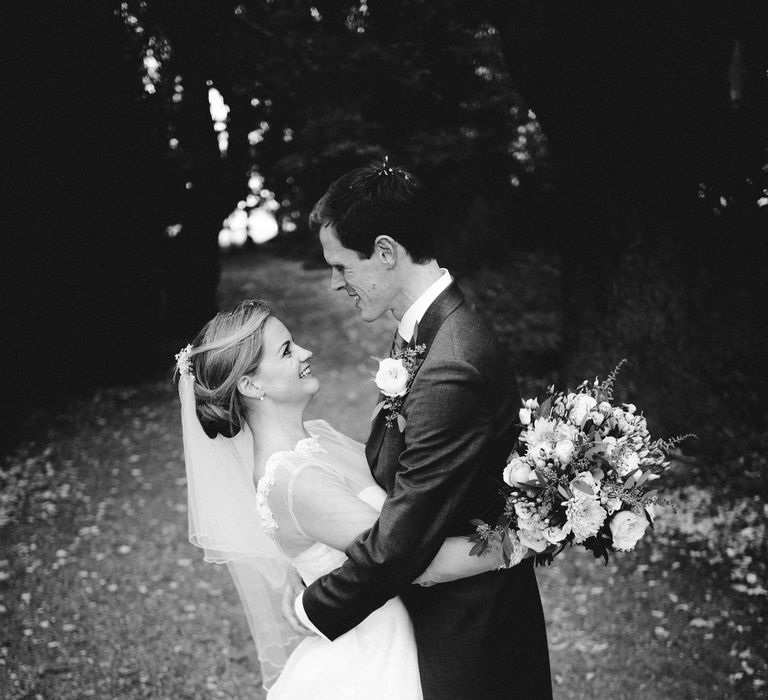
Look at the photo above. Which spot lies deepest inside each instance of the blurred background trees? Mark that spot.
(625, 142)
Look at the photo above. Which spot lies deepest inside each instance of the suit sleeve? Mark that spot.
(448, 433)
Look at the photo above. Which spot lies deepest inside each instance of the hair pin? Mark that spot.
(386, 168)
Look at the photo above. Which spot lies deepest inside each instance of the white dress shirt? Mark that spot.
(410, 318)
(416, 311)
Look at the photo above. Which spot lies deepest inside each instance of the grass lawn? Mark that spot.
(101, 595)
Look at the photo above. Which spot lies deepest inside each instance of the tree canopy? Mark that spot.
(611, 133)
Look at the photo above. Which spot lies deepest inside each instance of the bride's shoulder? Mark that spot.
(290, 463)
(331, 438)
(321, 426)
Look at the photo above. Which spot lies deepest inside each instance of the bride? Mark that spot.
(268, 490)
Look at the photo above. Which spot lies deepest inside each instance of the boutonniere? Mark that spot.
(394, 380)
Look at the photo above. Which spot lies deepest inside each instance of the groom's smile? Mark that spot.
(360, 277)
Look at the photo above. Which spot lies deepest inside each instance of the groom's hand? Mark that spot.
(293, 588)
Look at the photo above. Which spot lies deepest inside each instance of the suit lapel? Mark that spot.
(376, 436)
(448, 301)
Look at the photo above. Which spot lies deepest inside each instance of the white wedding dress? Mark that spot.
(377, 659)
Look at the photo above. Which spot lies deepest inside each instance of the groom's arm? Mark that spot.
(448, 435)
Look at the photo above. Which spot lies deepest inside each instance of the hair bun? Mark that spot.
(215, 418)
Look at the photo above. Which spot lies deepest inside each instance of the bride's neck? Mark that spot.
(275, 429)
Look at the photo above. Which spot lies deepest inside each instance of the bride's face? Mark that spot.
(284, 373)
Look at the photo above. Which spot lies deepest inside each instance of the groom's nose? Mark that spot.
(337, 280)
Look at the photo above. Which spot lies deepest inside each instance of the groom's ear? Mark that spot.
(385, 250)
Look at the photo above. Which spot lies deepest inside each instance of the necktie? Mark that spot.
(398, 344)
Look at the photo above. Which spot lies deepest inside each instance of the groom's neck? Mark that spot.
(415, 280)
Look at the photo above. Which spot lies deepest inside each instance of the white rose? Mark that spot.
(564, 451)
(626, 528)
(597, 418)
(525, 416)
(392, 378)
(518, 473)
(605, 407)
(564, 431)
(582, 405)
(534, 539)
(555, 535)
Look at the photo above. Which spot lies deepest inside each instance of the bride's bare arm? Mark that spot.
(453, 561)
(327, 511)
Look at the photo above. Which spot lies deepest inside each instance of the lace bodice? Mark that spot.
(305, 448)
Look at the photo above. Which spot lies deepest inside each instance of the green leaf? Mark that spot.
(564, 492)
(601, 459)
(642, 479)
(593, 451)
(477, 522)
(631, 479)
(478, 549)
(543, 409)
(376, 410)
(579, 486)
(400, 423)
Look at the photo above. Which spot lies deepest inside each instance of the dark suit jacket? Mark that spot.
(478, 637)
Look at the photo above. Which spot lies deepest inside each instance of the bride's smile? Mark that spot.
(285, 373)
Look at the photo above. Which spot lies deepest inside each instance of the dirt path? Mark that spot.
(106, 598)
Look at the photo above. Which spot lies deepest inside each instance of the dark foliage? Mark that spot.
(640, 170)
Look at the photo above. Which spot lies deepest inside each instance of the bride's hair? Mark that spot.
(229, 347)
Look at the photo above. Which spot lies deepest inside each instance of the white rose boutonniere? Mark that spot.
(394, 378)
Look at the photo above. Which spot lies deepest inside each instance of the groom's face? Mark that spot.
(366, 280)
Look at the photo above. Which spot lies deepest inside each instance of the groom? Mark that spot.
(481, 637)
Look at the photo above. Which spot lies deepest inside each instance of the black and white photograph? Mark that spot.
(365, 350)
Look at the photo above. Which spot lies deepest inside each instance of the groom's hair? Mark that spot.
(377, 200)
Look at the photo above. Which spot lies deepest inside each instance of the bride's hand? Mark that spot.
(293, 588)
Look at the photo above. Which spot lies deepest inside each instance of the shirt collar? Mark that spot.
(419, 307)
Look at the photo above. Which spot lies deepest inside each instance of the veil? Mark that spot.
(224, 522)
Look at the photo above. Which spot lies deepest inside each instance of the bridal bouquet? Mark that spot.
(583, 474)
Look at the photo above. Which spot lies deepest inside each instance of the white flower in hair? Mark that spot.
(183, 363)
